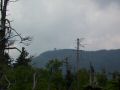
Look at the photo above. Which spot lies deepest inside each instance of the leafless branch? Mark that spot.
(14, 48)
(14, 0)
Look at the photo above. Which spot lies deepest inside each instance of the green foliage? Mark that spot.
(21, 78)
(5, 59)
(54, 65)
(102, 79)
(23, 59)
(83, 79)
(55, 74)
(52, 78)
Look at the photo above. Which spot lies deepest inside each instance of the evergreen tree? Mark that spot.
(23, 59)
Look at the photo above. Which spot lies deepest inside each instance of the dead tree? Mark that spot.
(69, 76)
(3, 27)
(7, 35)
(93, 81)
(34, 81)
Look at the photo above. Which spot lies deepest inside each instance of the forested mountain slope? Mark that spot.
(102, 59)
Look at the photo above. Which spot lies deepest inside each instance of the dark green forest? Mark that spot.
(19, 73)
(23, 76)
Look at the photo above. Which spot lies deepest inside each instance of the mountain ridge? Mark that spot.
(108, 59)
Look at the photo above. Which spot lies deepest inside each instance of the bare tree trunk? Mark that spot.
(4, 4)
(7, 81)
(34, 81)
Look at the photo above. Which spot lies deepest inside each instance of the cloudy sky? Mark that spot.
(58, 23)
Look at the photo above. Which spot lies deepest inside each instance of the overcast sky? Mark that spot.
(58, 23)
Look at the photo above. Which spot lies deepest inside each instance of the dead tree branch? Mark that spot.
(13, 48)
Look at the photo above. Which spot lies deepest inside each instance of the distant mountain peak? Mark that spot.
(100, 58)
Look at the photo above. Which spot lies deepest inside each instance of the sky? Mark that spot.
(58, 23)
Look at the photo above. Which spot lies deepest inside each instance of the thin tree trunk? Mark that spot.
(34, 81)
(7, 81)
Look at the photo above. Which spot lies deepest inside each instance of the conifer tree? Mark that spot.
(23, 59)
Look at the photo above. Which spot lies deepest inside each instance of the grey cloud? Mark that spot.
(105, 3)
(57, 23)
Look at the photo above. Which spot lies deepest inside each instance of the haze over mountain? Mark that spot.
(101, 59)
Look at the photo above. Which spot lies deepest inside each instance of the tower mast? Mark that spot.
(78, 63)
